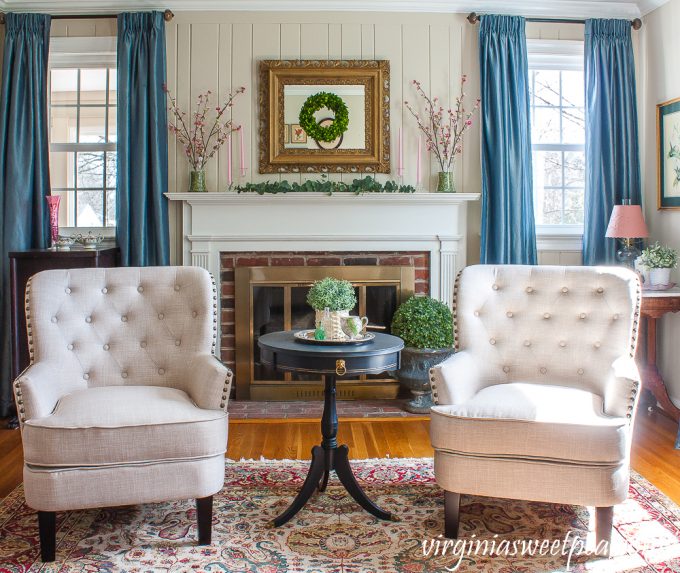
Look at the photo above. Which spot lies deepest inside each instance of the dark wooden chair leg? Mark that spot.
(204, 508)
(47, 527)
(604, 521)
(451, 514)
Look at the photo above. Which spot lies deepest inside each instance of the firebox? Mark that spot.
(269, 299)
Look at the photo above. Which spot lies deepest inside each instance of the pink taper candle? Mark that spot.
(243, 156)
(420, 143)
(230, 177)
(400, 161)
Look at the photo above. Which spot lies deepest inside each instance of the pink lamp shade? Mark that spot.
(627, 222)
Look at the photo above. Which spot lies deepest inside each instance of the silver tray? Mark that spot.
(307, 337)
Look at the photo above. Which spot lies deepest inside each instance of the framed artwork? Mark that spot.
(297, 134)
(286, 133)
(668, 151)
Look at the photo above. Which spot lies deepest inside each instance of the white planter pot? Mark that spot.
(332, 325)
(659, 276)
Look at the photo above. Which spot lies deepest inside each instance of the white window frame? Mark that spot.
(84, 52)
(563, 55)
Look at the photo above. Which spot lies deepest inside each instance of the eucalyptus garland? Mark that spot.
(316, 102)
(324, 185)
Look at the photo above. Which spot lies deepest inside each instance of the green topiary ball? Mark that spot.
(333, 294)
(423, 322)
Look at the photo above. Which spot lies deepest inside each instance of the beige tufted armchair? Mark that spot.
(538, 401)
(124, 401)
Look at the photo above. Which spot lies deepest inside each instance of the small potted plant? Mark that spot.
(656, 262)
(426, 327)
(335, 296)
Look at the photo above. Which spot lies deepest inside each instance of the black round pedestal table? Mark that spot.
(283, 352)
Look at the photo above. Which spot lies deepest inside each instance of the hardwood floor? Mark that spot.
(653, 453)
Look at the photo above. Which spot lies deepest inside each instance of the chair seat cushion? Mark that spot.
(124, 424)
(531, 421)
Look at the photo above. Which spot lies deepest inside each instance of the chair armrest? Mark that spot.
(622, 388)
(38, 389)
(208, 382)
(455, 380)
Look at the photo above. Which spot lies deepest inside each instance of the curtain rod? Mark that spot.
(167, 16)
(473, 18)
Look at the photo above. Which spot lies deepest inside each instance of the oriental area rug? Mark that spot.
(332, 534)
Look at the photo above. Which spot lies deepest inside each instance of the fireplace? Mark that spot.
(273, 297)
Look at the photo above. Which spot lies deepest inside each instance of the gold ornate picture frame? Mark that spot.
(276, 157)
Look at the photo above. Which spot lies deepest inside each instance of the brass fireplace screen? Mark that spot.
(269, 299)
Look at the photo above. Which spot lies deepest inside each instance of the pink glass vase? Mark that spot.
(53, 204)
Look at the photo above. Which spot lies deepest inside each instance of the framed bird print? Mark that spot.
(668, 150)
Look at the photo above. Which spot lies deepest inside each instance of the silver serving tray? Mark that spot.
(307, 337)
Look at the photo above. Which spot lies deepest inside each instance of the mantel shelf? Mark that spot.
(339, 197)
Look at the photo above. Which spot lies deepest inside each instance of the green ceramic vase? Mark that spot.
(197, 182)
(445, 182)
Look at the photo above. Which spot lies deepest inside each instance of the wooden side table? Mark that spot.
(654, 305)
(282, 351)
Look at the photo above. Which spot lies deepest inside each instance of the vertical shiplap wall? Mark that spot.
(220, 51)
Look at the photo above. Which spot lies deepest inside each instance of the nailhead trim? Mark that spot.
(456, 292)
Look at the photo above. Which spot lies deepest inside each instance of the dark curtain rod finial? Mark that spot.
(475, 18)
(167, 16)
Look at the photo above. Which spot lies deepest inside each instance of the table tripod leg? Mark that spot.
(346, 477)
(329, 463)
(316, 472)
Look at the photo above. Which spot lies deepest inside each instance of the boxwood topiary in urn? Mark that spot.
(426, 327)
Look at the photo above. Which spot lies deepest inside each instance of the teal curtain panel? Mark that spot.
(24, 160)
(142, 224)
(508, 228)
(612, 155)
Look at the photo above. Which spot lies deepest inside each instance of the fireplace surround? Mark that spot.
(217, 226)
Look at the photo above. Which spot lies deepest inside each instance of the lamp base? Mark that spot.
(628, 252)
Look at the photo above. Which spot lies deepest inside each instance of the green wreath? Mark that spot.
(316, 102)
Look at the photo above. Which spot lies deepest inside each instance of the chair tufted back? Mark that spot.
(545, 324)
(121, 326)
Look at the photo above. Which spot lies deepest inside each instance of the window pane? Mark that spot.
(573, 125)
(550, 208)
(63, 124)
(113, 87)
(64, 86)
(61, 169)
(545, 125)
(573, 206)
(67, 207)
(573, 84)
(574, 169)
(111, 158)
(90, 169)
(93, 124)
(546, 87)
(93, 86)
(111, 208)
(90, 209)
(547, 168)
(113, 124)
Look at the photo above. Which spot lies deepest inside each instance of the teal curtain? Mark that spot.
(508, 229)
(142, 210)
(24, 160)
(612, 155)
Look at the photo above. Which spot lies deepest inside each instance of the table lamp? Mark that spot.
(627, 224)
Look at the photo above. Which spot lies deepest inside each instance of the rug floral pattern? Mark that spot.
(332, 534)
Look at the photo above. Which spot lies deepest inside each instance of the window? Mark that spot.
(83, 133)
(556, 90)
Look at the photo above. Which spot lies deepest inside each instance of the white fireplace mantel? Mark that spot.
(215, 223)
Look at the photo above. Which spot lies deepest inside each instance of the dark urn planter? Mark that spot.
(414, 374)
